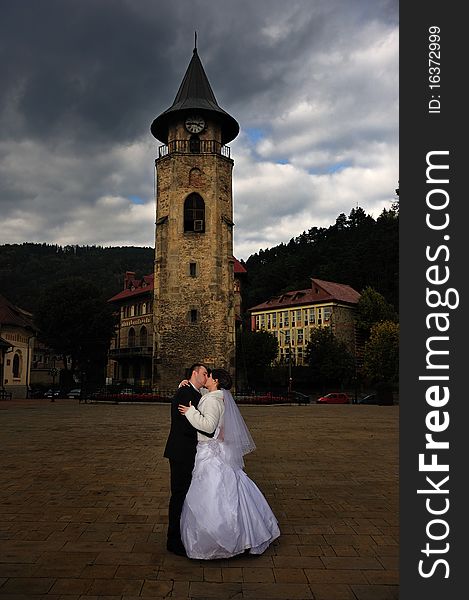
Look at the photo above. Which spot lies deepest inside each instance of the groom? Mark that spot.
(180, 450)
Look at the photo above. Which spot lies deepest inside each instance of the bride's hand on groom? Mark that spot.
(183, 408)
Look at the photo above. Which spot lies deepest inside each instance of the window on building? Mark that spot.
(16, 366)
(274, 319)
(194, 213)
(143, 336)
(327, 313)
(193, 269)
(293, 318)
(193, 315)
(262, 321)
(285, 318)
(319, 316)
(299, 336)
(131, 337)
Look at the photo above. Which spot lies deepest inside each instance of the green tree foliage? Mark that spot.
(76, 320)
(255, 351)
(328, 358)
(357, 250)
(27, 268)
(381, 356)
(373, 308)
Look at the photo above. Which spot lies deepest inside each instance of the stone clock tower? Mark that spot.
(194, 305)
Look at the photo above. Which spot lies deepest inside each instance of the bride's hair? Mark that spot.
(224, 378)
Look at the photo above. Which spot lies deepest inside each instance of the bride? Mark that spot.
(224, 513)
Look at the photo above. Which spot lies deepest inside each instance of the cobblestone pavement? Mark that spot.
(84, 492)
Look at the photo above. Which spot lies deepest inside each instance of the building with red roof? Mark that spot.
(131, 352)
(292, 317)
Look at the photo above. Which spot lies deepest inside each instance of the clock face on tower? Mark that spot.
(195, 124)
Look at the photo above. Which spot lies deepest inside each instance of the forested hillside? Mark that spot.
(357, 250)
(25, 269)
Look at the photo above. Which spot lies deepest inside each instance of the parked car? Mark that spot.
(334, 398)
(52, 394)
(300, 398)
(369, 399)
(126, 392)
(75, 393)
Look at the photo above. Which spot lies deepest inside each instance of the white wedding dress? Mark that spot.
(224, 512)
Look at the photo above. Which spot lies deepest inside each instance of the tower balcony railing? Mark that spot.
(194, 147)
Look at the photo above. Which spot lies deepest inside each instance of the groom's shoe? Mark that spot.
(176, 549)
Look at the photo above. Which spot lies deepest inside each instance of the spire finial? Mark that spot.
(195, 41)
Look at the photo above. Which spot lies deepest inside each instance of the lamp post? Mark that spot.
(28, 366)
(290, 380)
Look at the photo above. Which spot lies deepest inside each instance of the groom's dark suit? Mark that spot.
(180, 449)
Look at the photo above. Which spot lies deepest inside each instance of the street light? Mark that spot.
(290, 380)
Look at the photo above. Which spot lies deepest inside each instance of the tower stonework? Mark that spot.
(194, 300)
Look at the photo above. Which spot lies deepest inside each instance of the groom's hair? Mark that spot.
(224, 378)
(196, 367)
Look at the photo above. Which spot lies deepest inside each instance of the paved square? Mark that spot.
(84, 492)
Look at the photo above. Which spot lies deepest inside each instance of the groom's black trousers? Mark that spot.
(181, 475)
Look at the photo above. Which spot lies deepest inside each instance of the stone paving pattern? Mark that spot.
(84, 494)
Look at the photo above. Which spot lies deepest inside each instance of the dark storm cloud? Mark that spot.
(86, 70)
(311, 82)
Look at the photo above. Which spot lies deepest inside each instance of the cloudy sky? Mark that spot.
(312, 83)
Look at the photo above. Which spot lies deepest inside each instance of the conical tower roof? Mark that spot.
(195, 94)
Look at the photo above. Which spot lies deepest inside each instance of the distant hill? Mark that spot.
(357, 250)
(27, 268)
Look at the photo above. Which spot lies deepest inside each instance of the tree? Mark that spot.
(328, 358)
(373, 308)
(255, 351)
(76, 321)
(381, 356)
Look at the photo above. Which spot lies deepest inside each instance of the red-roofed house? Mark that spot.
(131, 352)
(291, 317)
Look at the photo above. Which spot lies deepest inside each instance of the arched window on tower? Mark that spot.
(194, 213)
(194, 144)
(143, 336)
(131, 338)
